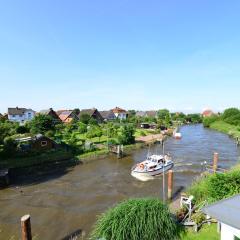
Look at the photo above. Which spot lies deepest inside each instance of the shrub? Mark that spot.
(137, 219)
(207, 121)
(216, 187)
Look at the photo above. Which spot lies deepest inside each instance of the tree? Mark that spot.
(7, 129)
(232, 116)
(137, 219)
(76, 111)
(84, 118)
(22, 129)
(126, 134)
(163, 114)
(42, 123)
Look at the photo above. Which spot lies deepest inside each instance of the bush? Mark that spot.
(137, 219)
(207, 121)
(216, 187)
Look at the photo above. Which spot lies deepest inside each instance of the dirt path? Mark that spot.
(149, 138)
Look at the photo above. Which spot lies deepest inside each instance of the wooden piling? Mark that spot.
(26, 227)
(170, 183)
(215, 162)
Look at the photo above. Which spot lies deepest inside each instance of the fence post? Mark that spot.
(170, 183)
(26, 227)
(215, 162)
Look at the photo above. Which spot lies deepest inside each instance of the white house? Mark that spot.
(227, 212)
(120, 113)
(20, 115)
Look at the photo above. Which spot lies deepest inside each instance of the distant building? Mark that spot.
(151, 113)
(207, 113)
(93, 113)
(50, 112)
(37, 143)
(120, 113)
(108, 115)
(227, 212)
(67, 116)
(20, 115)
(141, 114)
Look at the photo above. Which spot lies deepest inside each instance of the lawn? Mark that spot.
(206, 232)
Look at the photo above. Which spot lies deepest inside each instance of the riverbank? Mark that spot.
(231, 130)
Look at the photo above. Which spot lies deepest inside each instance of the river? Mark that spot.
(64, 203)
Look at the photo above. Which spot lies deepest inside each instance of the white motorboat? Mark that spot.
(154, 165)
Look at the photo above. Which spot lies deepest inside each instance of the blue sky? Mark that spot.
(182, 55)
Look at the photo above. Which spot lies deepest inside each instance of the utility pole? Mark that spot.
(163, 187)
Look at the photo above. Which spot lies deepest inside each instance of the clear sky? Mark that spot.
(152, 54)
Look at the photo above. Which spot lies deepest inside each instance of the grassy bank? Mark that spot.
(206, 232)
(227, 128)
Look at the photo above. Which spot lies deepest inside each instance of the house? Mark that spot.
(93, 113)
(20, 115)
(50, 112)
(141, 114)
(108, 115)
(207, 113)
(120, 113)
(37, 143)
(67, 116)
(227, 212)
(151, 113)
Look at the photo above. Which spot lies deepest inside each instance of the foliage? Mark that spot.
(10, 146)
(7, 129)
(42, 123)
(82, 127)
(207, 121)
(84, 118)
(94, 131)
(137, 219)
(163, 114)
(198, 217)
(126, 134)
(22, 129)
(76, 111)
(232, 116)
(194, 118)
(216, 187)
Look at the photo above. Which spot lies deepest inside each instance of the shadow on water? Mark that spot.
(34, 175)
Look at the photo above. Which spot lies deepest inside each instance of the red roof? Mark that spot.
(118, 110)
(207, 113)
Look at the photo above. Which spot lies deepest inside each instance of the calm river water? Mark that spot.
(71, 200)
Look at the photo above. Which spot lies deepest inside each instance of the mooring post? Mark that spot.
(170, 183)
(26, 227)
(215, 162)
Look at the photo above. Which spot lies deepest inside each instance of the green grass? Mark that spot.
(224, 127)
(206, 232)
(143, 132)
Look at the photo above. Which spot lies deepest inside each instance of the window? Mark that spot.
(43, 143)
